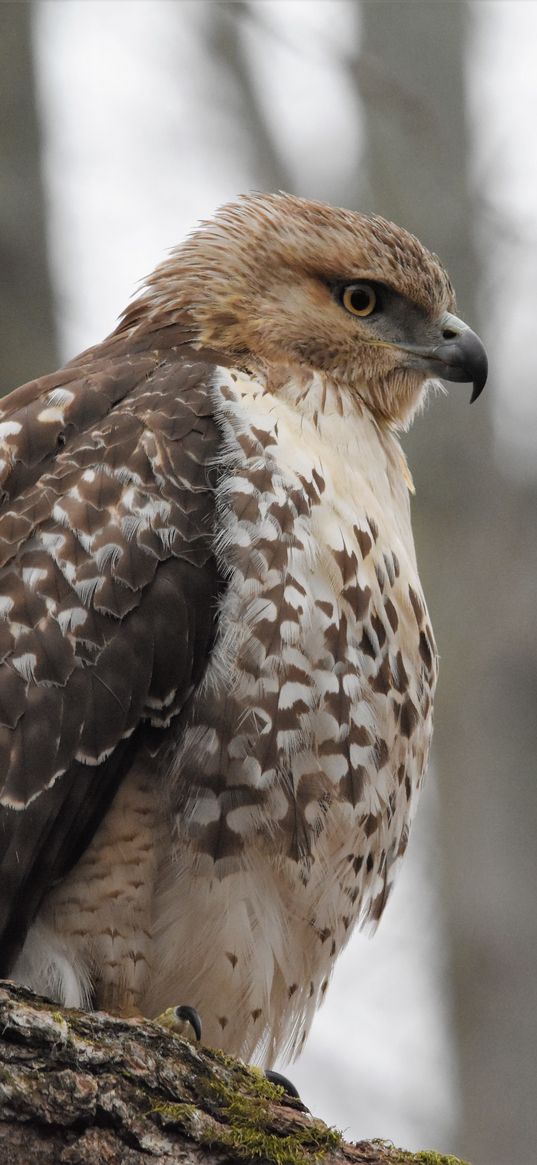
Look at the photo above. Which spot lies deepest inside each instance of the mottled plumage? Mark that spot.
(217, 669)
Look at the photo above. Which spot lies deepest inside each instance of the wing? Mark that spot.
(107, 594)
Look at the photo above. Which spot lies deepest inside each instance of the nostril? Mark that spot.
(449, 334)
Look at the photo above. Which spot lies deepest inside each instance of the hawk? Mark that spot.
(217, 668)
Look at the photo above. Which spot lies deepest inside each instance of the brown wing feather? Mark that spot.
(107, 595)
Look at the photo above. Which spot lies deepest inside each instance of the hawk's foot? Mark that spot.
(183, 1021)
(283, 1082)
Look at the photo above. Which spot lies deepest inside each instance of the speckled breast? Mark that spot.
(310, 735)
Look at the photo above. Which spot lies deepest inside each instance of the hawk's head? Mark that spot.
(275, 280)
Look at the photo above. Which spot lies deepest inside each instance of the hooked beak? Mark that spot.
(460, 356)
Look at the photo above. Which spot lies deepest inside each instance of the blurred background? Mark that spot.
(124, 121)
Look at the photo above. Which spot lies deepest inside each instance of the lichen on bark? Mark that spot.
(77, 1088)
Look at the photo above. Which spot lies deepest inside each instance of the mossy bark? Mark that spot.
(77, 1088)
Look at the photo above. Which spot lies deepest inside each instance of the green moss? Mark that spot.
(423, 1157)
(252, 1079)
(297, 1149)
(175, 1113)
(249, 1129)
(192, 1121)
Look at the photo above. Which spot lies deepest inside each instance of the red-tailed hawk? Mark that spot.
(217, 665)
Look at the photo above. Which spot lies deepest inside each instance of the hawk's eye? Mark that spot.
(360, 299)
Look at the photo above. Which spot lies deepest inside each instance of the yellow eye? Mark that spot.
(360, 299)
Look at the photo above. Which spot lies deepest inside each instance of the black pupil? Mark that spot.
(361, 299)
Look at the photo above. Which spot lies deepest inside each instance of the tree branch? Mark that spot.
(81, 1088)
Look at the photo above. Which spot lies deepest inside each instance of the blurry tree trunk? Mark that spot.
(233, 76)
(478, 581)
(27, 339)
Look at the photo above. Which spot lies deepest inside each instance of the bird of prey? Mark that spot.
(217, 668)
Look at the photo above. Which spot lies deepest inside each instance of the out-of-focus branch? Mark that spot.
(225, 47)
(367, 71)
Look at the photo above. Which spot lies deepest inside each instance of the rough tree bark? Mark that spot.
(80, 1088)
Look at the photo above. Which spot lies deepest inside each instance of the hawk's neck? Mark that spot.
(306, 419)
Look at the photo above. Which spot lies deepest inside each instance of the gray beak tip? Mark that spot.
(476, 391)
(479, 382)
(463, 358)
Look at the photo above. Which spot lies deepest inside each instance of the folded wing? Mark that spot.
(108, 591)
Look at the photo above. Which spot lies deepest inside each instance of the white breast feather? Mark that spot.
(251, 941)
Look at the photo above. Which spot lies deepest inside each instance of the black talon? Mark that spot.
(191, 1016)
(277, 1078)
